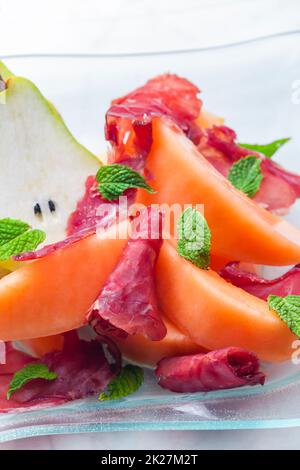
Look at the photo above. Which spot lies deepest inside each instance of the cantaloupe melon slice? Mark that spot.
(241, 230)
(40, 346)
(53, 294)
(215, 315)
(141, 350)
(135, 348)
(207, 119)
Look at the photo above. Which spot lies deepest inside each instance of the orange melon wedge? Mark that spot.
(241, 230)
(215, 314)
(208, 120)
(53, 294)
(136, 348)
(141, 350)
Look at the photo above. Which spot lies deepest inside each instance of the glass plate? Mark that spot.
(256, 85)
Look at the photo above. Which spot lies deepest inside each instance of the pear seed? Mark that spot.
(51, 205)
(37, 209)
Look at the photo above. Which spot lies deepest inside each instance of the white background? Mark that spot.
(97, 26)
(87, 26)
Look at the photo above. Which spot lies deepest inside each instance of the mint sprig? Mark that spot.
(267, 149)
(194, 238)
(26, 374)
(128, 381)
(115, 179)
(288, 309)
(17, 237)
(246, 175)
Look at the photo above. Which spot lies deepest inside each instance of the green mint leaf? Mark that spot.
(268, 149)
(11, 228)
(194, 238)
(246, 175)
(16, 237)
(288, 309)
(28, 373)
(128, 381)
(115, 179)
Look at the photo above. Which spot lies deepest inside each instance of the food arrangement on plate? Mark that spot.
(99, 281)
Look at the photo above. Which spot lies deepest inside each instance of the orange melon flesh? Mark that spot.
(241, 230)
(141, 350)
(38, 347)
(217, 263)
(135, 348)
(53, 294)
(215, 314)
(208, 120)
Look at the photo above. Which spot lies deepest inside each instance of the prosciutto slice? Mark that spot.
(82, 369)
(129, 130)
(287, 284)
(93, 211)
(48, 249)
(225, 368)
(127, 303)
(276, 170)
(279, 188)
(128, 120)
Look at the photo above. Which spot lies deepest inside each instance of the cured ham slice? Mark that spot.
(215, 370)
(127, 304)
(287, 284)
(82, 370)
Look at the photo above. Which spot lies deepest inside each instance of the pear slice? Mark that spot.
(42, 167)
(5, 73)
